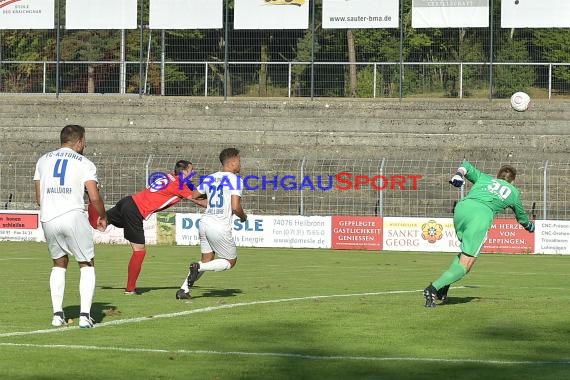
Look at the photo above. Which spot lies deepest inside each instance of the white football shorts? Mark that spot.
(217, 238)
(70, 234)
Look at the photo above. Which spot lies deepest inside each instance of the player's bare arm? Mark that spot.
(97, 202)
(198, 198)
(38, 191)
(202, 202)
(237, 210)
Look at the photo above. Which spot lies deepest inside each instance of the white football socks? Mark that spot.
(86, 288)
(185, 282)
(217, 265)
(57, 288)
(184, 285)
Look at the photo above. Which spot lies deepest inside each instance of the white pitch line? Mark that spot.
(288, 355)
(18, 258)
(205, 310)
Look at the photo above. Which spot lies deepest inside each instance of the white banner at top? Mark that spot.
(27, 14)
(360, 13)
(271, 14)
(450, 13)
(186, 14)
(101, 14)
(535, 14)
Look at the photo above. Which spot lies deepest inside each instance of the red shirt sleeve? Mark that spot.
(152, 200)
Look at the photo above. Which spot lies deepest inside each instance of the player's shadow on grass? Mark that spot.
(142, 290)
(208, 292)
(221, 293)
(459, 300)
(99, 310)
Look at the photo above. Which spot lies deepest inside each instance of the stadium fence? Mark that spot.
(544, 185)
(491, 62)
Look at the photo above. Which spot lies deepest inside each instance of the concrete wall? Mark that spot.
(415, 128)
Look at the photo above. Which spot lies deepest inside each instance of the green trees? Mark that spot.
(513, 78)
(554, 46)
(89, 46)
(28, 47)
(437, 62)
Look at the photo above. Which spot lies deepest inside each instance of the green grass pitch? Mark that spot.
(289, 314)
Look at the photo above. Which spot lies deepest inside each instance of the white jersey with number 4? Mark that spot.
(62, 175)
(219, 187)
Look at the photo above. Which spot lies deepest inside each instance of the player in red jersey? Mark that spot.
(165, 191)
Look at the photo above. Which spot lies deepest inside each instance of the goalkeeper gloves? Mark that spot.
(457, 180)
(530, 226)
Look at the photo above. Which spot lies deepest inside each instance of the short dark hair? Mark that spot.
(507, 172)
(228, 153)
(71, 133)
(181, 165)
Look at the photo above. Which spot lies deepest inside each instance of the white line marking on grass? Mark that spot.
(18, 258)
(287, 355)
(208, 309)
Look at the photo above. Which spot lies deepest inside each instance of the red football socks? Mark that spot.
(135, 266)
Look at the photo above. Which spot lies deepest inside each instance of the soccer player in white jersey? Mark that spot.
(60, 180)
(223, 192)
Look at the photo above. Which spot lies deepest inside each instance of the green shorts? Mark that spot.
(472, 220)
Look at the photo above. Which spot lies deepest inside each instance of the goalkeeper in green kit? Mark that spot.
(473, 217)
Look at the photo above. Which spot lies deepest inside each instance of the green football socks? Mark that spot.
(454, 273)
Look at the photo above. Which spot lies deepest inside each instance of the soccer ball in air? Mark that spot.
(520, 101)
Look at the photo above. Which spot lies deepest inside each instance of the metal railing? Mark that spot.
(373, 80)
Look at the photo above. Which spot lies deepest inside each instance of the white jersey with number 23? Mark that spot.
(219, 188)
